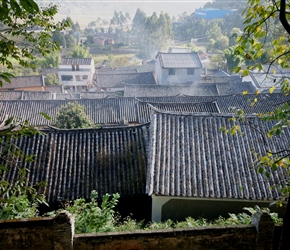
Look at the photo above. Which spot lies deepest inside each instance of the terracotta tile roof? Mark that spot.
(75, 162)
(190, 157)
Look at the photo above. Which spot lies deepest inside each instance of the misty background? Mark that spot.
(85, 11)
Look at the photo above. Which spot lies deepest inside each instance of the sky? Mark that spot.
(85, 11)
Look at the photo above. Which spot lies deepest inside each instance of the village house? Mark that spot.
(177, 68)
(76, 74)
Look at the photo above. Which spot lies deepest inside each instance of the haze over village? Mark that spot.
(154, 104)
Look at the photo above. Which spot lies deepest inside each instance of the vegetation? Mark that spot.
(72, 116)
(92, 218)
(265, 39)
(25, 31)
(153, 33)
(79, 52)
(17, 199)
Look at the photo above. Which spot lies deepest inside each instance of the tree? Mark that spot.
(52, 80)
(232, 59)
(73, 115)
(25, 31)
(79, 52)
(268, 30)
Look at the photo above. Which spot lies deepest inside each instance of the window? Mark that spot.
(190, 71)
(75, 67)
(85, 77)
(66, 78)
(171, 72)
(78, 78)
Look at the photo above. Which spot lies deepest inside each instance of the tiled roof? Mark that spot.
(75, 162)
(101, 111)
(24, 81)
(179, 60)
(235, 87)
(119, 80)
(10, 95)
(25, 95)
(36, 95)
(189, 156)
(145, 108)
(227, 104)
(112, 111)
(76, 61)
(202, 107)
(170, 90)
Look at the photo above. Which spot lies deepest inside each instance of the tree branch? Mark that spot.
(282, 16)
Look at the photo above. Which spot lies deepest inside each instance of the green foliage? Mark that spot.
(90, 218)
(266, 36)
(118, 61)
(18, 207)
(25, 31)
(51, 80)
(79, 52)
(153, 32)
(72, 116)
(263, 34)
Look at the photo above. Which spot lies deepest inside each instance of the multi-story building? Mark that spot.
(76, 74)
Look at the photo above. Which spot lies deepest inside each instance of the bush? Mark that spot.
(90, 218)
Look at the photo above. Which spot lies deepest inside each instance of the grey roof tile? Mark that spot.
(112, 111)
(229, 103)
(179, 60)
(190, 157)
(24, 82)
(119, 80)
(75, 162)
(171, 90)
(76, 61)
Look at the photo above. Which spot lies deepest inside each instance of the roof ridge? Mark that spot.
(196, 114)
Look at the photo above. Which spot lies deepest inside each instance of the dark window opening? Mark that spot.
(171, 72)
(190, 71)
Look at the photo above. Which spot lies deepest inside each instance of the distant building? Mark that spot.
(76, 74)
(27, 83)
(177, 68)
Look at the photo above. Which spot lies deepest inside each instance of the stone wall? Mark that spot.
(39, 233)
(57, 233)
